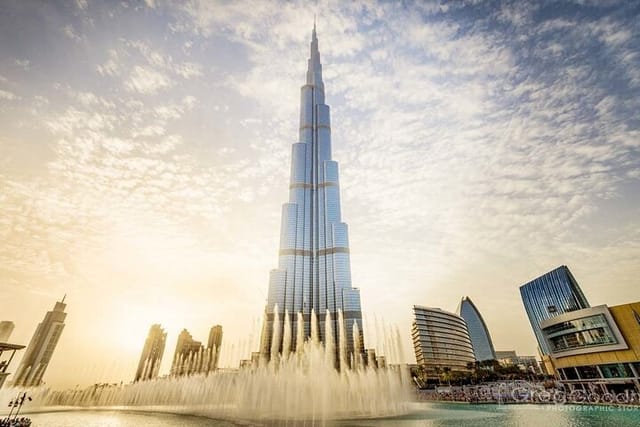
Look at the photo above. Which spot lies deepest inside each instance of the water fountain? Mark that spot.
(292, 385)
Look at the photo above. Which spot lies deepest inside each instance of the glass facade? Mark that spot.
(549, 295)
(588, 372)
(579, 333)
(441, 339)
(313, 277)
(616, 370)
(480, 337)
(594, 372)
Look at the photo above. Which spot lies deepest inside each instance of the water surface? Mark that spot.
(424, 415)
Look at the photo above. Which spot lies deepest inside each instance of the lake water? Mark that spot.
(423, 414)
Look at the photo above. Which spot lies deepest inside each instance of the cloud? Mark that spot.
(112, 66)
(69, 32)
(8, 95)
(146, 80)
(25, 64)
(165, 62)
(478, 147)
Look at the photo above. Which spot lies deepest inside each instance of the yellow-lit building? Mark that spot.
(596, 348)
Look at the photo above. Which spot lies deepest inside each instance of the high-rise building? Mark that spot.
(213, 346)
(441, 340)
(550, 295)
(191, 357)
(152, 352)
(313, 278)
(187, 356)
(40, 349)
(478, 331)
(6, 327)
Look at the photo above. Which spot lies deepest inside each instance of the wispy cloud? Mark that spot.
(145, 80)
(479, 147)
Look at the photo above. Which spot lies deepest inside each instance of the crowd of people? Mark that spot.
(15, 422)
(524, 392)
(460, 395)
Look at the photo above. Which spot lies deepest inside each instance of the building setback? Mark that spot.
(440, 340)
(41, 347)
(478, 331)
(313, 277)
(151, 357)
(551, 294)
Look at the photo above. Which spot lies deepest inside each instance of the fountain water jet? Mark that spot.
(275, 342)
(357, 362)
(306, 385)
(286, 338)
(329, 343)
(315, 336)
(342, 340)
(300, 333)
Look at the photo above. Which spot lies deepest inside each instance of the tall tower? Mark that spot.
(40, 350)
(213, 346)
(151, 356)
(478, 331)
(549, 295)
(188, 354)
(313, 277)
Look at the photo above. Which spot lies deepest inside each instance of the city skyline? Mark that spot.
(144, 147)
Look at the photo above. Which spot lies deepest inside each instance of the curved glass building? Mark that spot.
(440, 339)
(313, 277)
(549, 295)
(478, 331)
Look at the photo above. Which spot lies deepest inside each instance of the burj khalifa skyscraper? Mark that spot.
(313, 277)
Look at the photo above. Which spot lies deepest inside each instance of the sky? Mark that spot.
(145, 150)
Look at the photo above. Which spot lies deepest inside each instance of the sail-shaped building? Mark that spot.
(478, 331)
(313, 278)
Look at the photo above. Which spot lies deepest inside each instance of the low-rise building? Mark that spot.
(525, 363)
(597, 348)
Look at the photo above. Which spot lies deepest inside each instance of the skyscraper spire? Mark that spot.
(314, 270)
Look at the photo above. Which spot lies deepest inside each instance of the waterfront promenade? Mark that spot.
(520, 392)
